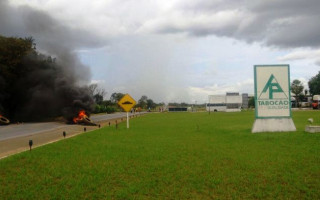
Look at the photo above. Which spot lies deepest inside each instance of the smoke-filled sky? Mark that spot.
(173, 50)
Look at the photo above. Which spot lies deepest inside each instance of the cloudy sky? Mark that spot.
(173, 50)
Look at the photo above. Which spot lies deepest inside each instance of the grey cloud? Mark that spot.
(24, 21)
(201, 6)
(285, 23)
(285, 7)
(50, 36)
(301, 33)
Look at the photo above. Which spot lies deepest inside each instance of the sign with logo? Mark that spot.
(127, 102)
(272, 91)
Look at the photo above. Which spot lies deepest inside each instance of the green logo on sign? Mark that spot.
(273, 86)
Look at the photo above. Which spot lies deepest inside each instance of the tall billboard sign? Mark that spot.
(272, 98)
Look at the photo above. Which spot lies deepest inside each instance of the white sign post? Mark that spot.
(127, 119)
(272, 99)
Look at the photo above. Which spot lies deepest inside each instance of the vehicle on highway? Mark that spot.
(316, 101)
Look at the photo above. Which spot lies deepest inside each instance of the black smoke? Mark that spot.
(46, 79)
(38, 87)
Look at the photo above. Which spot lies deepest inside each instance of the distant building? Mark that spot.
(245, 100)
(231, 102)
(177, 109)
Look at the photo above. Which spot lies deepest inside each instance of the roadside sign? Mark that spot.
(272, 91)
(272, 99)
(127, 102)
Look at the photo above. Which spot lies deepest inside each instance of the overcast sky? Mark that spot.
(173, 50)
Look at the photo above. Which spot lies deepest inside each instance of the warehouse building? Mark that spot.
(231, 102)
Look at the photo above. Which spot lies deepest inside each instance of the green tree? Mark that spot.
(142, 102)
(296, 89)
(150, 104)
(98, 98)
(251, 102)
(107, 103)
(314, 84)
(115, 97)
(97, 93)
(12, 69)
(92, 88)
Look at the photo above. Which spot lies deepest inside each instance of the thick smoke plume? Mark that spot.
(34, 86)
(37, 87)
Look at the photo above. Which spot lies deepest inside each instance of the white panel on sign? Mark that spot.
(272, 91)
(272, 99)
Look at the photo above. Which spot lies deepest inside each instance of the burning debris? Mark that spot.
(82, 118)
(4, 121)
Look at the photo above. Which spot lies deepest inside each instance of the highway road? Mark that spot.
(25, 129)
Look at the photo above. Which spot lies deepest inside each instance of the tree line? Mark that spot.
(300, 93)
(109, 106)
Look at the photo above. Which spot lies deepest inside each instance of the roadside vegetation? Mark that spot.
(171, 156)
(111, 106)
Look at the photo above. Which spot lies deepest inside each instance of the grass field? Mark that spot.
(171, 156)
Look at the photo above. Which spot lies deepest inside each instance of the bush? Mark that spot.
(104, 109)
(110, 109)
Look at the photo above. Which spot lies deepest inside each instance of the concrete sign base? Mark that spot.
(312, 129)
(273, 125)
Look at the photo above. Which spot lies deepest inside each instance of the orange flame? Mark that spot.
(81, 115)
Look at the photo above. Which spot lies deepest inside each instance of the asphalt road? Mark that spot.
(25, 129)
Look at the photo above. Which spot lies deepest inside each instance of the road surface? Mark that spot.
(25, 129)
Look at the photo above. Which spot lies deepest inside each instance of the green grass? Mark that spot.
(171, 156)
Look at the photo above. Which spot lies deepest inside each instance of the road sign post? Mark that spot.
(127, 103)
(127, 119)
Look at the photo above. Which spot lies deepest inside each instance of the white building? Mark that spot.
(231, 102)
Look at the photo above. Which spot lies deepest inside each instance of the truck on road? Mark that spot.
(316, 101)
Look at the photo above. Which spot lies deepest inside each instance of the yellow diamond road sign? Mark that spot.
(127, 102)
